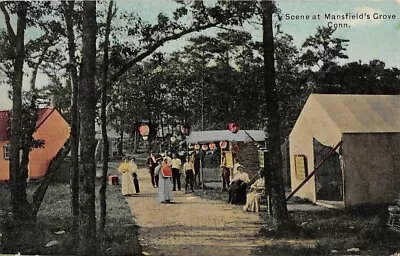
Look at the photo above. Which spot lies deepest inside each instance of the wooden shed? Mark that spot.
(364, 168)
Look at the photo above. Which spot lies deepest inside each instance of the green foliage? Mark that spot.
(322, 49)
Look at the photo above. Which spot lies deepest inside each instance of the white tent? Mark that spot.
(366, 167)
(225, 135)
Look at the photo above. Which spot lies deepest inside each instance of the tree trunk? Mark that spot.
(279, 207)
(162, 127)
(87, 105)
(105, 85)
(20, 205)
(74, 172)
(121, 140)
(48, 178)
(135, 141)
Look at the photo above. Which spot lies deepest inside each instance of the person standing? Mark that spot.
(157, 171)
(134, 174)
(152, 163)
(126, 170)
(197, 169)
(189, 174)
(224, 172)
(164, 183)
(176, 169)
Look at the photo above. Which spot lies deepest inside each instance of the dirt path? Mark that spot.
(191, 225)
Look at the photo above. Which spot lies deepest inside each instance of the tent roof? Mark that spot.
(359, 113)
(225, 135)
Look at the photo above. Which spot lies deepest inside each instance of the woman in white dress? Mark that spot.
(126, 170)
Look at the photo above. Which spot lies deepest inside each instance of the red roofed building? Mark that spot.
(50, 127)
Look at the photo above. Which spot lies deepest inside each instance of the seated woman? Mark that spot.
(238, 186)
(254, 195)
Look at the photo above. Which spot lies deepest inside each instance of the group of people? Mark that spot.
(165, 175)
(240, 190)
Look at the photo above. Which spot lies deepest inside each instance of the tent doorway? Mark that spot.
(329, 177)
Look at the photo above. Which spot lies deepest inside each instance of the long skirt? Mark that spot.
(237, 192)
(164, 190)
(253, 202)
(127, 184)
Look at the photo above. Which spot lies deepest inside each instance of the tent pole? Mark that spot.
(313, 172)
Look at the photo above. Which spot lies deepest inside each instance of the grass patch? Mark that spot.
(54, 223)
(324, 232)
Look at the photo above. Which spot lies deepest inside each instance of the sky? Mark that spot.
(375, 34)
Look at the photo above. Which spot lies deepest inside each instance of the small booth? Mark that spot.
(208, 146)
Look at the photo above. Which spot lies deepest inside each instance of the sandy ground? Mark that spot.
(191, 225)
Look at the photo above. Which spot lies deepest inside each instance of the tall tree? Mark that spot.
(87, 106)
(322, 49)
(20, 205)
(279, 207)
(33, 53)
(68, 10)
(103, 116)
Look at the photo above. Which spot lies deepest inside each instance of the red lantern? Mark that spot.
(233, 127)
(144, 130)
(204, 147)
(235, 148)
(223, 144)
(197, 146)
(212, 146)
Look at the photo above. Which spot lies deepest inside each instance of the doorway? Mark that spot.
(329, 177)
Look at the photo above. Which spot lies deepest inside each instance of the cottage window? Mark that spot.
(6, 152)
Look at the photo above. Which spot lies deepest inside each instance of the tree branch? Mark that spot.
(154, 47)
(11, 34)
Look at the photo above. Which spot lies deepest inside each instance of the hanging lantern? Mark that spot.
(212, 146)
(223, 144)
(144, 130)
(233, 127)
(204, 147)
(235, 148)
(185, 129)
(197, 146)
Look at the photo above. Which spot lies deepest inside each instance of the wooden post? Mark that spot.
(267, 185)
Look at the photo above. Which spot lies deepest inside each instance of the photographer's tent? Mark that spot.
(365, 167)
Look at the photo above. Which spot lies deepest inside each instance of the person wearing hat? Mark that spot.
(254, 196)
(238, 186)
